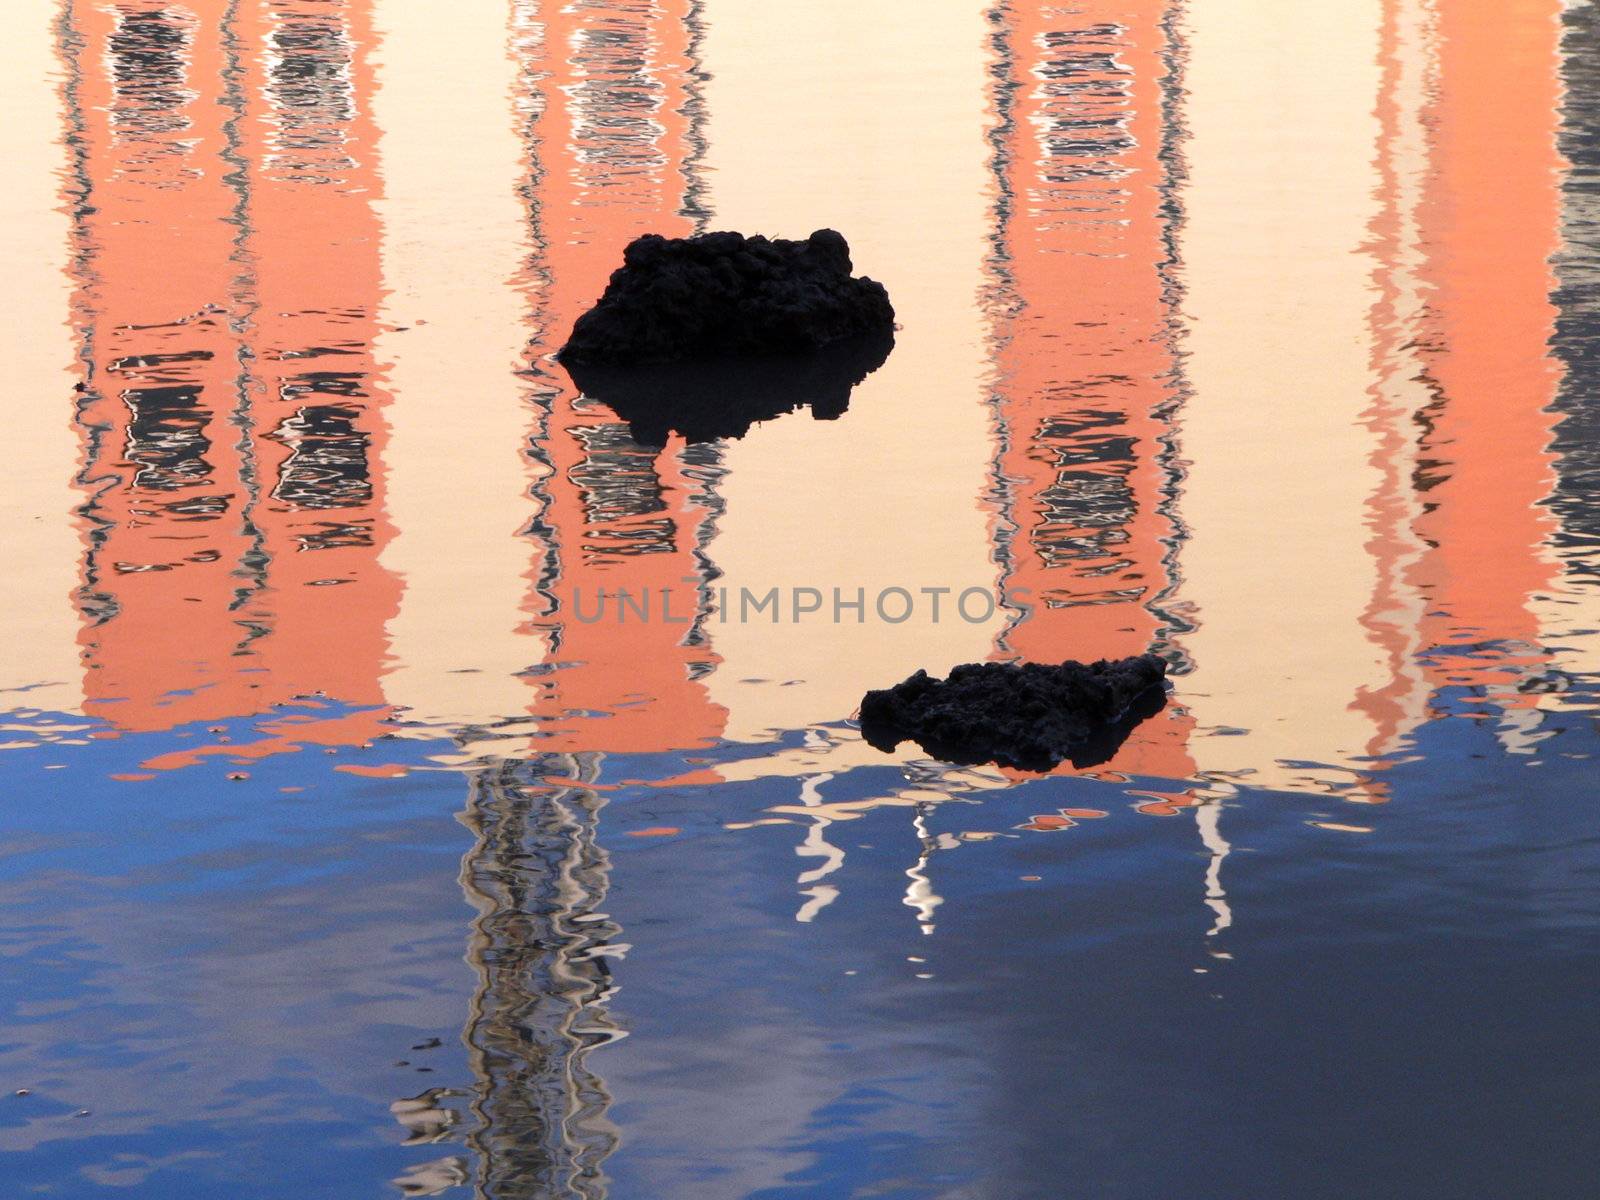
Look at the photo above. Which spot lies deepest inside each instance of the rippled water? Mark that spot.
(344, 857)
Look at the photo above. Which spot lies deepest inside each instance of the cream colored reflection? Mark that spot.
(1278, 207)
(920, 894)
(434, 1178)
(1208, 821)
(454, 237)
(38, 625)
(1569, 621)
(818, 895)
(880, 135)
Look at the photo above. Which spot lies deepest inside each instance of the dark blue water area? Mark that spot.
(222, 974)
(1405, 1012)
(226, 977)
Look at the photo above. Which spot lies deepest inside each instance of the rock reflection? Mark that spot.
(706, 402)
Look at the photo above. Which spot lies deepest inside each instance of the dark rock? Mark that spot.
(1031, 716)
(722, 398)
(721, 295)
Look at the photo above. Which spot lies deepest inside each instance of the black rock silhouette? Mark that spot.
(723, 398)
(1031, 716)
(723, 295)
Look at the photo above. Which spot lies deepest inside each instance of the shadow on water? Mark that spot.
(707, 401)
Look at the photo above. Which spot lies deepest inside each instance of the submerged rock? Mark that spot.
(722, 295)
(705, 401)
(1029, 715)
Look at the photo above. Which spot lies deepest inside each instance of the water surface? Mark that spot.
(344, 857)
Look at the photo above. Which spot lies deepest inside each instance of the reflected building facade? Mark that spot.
(1084, 354)
(226, 262)
(1425, 295)
(611, 141)
(542, 949)
(1577, 439)
(1571, 618)
(1492, 223)
(167, 490)
(1398, 389)
(1569, 609)
(1325, 502)
(317, 428)
(600, 97)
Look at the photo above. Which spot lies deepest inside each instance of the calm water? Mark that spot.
(341, 859)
